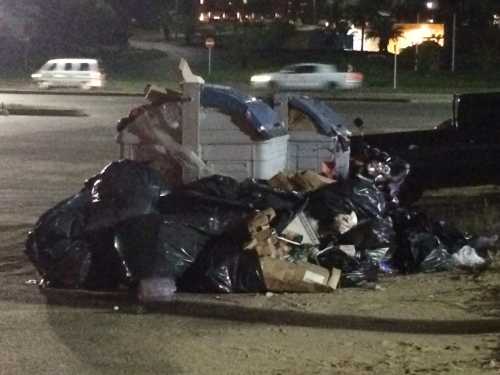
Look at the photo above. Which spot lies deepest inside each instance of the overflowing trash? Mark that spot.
(137, 225)
(297, 233)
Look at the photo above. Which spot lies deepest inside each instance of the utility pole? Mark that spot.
(314, 12)
(416, 44)
(395, 65)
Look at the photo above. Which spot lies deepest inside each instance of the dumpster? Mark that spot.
(235, 135)
(240, 135)
(317, 136)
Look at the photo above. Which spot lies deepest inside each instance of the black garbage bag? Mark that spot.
(216, 203)
(382, 258)
(124, 189)
(370, 234)
(438, 259)
(56, 246)
(157, 246)
(451, 238)
(357, 194)
(260, 195)
(212, 216)
(218, 186)
(424, 245)
(355, 271)
(224, 267)
(210, 205)
(107, 270)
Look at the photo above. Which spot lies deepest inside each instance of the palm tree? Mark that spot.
(364, 12)
(384, 29)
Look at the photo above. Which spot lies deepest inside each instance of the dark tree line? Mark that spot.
(31, 29)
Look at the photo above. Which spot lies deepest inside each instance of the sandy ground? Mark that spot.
(420, 324)
(445, 323)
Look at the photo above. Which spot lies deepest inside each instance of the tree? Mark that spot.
(364, 12)
(384, 29)
(473, 20)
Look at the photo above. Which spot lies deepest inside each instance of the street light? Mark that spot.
(429, 5)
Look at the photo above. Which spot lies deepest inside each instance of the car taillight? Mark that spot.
(354, 77)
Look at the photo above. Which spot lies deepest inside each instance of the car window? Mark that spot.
(305, 69)
(84, 67)
(52, 66)
(68, 66)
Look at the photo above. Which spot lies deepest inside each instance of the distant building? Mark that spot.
(258, 10)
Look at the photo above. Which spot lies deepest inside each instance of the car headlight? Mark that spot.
(260, 78)
(36, 75)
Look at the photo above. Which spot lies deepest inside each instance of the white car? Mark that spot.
(308, 76)
(83, 73)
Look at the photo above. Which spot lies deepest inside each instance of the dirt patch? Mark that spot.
(420, 324)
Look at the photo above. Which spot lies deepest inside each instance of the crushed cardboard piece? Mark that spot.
(263, 238)
(303, 181)
(284, 276)
(334, 280)
(310, 180)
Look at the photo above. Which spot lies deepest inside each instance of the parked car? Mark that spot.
(308, 76)
(83, 73)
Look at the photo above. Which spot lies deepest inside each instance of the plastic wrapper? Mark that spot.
(467, 257)
(438, 259)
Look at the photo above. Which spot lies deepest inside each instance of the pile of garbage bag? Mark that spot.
(293, 233)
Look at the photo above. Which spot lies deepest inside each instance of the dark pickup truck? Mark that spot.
(462, 151)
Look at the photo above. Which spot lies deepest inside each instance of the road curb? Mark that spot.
(418, 98)
(73, 93)
(367, 99)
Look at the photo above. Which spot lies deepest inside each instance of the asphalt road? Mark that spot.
(106, 110)
(46, 159)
